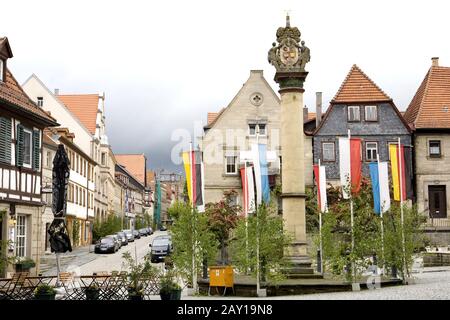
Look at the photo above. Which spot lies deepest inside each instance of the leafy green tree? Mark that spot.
(222, 219)
(111, 225)
(191, 237)
(265, 227)
(337, 253)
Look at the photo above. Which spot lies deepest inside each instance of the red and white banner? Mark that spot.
(350, 165)
(248, 191)
(321, 183)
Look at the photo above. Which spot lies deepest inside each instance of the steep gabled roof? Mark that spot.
(84, 107)
(134, 163)
(358, 87)
(12, 93)
(430, 106)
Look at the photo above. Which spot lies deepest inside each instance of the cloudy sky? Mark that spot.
(165, 64)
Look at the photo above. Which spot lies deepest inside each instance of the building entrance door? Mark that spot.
(437, 201)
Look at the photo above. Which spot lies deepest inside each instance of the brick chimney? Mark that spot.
(435, 61)
(318, 108)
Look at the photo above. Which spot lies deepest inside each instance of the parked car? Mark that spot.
(143, 232)
(150, 230)
(169, 238)
(123, 237)
(105, 245)
(136, 234)
(160, 248)
(117, 241)
(163, 228)
(129, 234)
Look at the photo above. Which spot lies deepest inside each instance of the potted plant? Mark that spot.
(92, 292)
(138, 273)
(169, 289)
(24, 265)
(44, 292)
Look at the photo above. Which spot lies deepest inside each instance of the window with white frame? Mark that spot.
(371, 151)
(40, 101)
(371, 113)
(230, 165)
(27, 148)
(353, 113)
(434, 147)
(328, 154)
(262, 129)
(21, 235)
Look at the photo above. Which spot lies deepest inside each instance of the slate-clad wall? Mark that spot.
(388, 128)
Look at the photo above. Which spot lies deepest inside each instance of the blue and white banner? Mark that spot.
(380, 186)
(259, 152)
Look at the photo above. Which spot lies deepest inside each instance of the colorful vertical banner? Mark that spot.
(401, 171)
(380, 186)
(259, 154)
(320, 179)
(350, 165)
(194, 170)
(248, 190)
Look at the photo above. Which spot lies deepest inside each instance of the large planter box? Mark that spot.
(173, 295)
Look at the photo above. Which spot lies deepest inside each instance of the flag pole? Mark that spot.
(401, 207)
(320, 225)
(382, 224)
(194, 239)
(246, 207)
(351, 212)
(258, 285)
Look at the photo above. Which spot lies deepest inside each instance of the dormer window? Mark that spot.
(40, 101)
(1, 70)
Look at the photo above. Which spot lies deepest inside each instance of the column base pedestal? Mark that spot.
(300, 267)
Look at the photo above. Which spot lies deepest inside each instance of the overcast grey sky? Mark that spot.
(165, 64)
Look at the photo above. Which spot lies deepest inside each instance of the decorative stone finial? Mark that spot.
(290, 55)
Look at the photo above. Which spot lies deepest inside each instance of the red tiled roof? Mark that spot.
(84, 107)
(12, 93)
(133, 163)
(430, 106)
(358, 87)
(212, 116)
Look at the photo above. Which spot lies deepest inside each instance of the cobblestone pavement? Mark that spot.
(432, 284)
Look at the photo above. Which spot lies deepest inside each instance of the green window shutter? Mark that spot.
(19, 146)
(36, 149)
(5, 140)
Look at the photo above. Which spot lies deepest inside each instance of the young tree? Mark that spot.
(192, 241)
(222, 219)
(264, 230)
(337, 253)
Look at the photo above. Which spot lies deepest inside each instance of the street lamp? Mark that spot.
(45, 190)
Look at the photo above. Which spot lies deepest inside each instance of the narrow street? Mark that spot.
(87, 263)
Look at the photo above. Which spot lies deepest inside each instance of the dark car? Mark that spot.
(123, 237)
(143, 232)
(163, 228)
(117, 241)
(169, 238)
(129, 234)
(150, 230)
(136, 234)
(161, 247)
(105, 245)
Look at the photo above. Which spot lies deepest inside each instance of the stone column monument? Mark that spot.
(289, 57)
